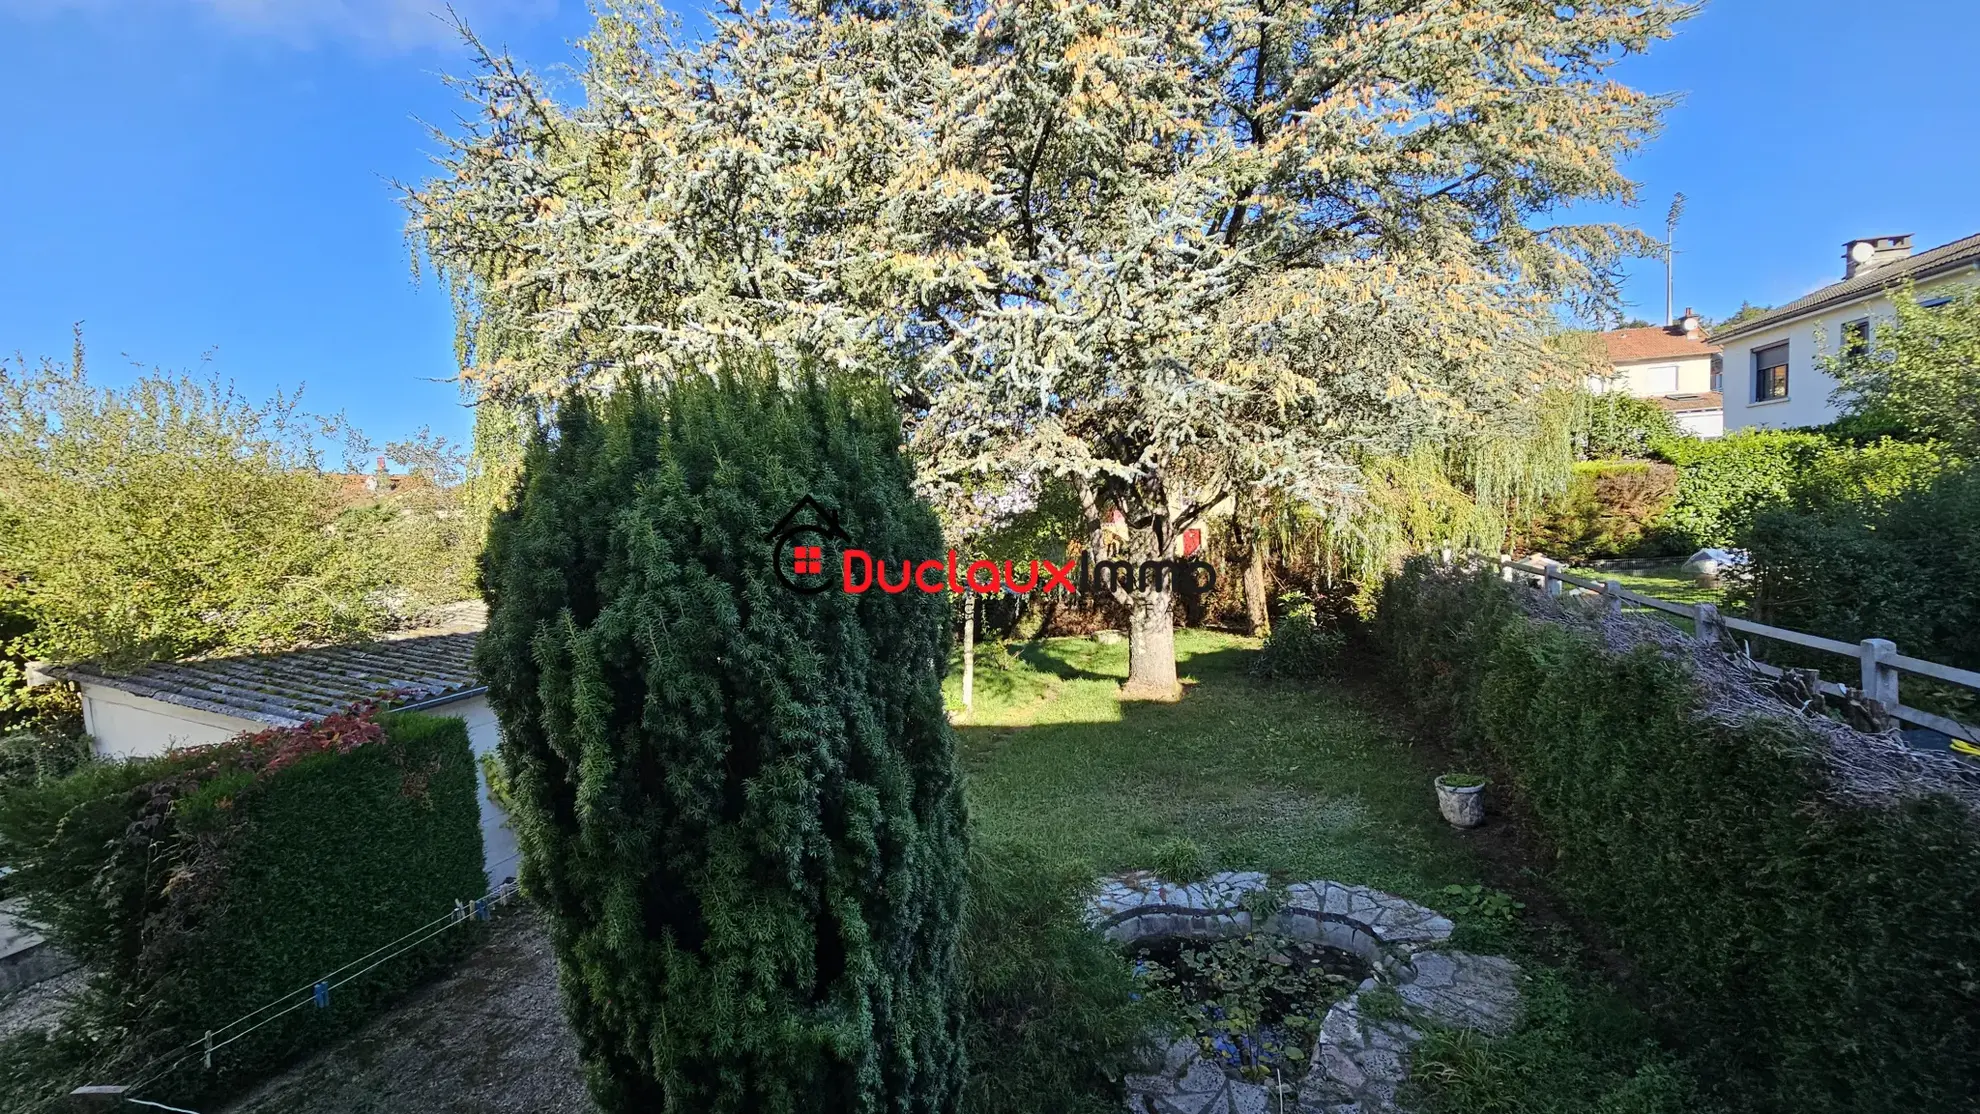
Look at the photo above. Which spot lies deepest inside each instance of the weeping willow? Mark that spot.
(1464, 493)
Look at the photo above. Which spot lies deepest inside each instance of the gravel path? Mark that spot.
(489, 1038)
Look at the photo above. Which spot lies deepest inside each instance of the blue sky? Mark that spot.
(209, 179)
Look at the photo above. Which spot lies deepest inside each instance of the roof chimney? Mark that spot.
(1873, 253)
(1690, 322)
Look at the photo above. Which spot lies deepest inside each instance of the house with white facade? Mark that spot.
(1772, 364)
(165, 705)
(1672, 365)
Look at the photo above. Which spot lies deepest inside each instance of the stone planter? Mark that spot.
(1462, 805)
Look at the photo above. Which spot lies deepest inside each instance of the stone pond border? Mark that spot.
(1361, 1059)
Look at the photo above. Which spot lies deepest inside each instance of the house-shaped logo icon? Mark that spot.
(799, 543)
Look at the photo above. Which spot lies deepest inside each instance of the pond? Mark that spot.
(1254, 1001)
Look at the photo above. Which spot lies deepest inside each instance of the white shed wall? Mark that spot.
(129, 726)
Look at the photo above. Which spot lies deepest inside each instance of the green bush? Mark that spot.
(32, 757)
(1054, 1018)
(1578, 1050)
(739, 805)
(1725, 483)
(1816, 949)
(1608, 510)
(201, 885)
(36, 1066)
(1622, 425)
(1301, 644)
(1906, 569)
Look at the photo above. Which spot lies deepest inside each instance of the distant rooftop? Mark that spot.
(1654, 342)
(434, 660)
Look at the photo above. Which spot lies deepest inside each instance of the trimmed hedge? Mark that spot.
(1724, 483)
(1817, 955)
(202, 884)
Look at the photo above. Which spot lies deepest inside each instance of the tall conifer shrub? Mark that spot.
(739, 804)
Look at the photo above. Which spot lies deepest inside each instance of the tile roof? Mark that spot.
(288, 689)
(1685, 403)
(1656, 342)
(1926, 264)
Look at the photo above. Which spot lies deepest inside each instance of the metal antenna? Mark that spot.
(1670, 250)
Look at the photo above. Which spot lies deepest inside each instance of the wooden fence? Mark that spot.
(1879, 664)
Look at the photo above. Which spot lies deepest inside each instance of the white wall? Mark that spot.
(1807, 402)
(1647, 378)
(128, 726)
(498, 840)
(1702, 423)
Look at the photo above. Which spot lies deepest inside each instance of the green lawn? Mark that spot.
(1295, 780)
(1668, 582)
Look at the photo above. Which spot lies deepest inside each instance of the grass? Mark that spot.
(1669, 582)
(1295, 780)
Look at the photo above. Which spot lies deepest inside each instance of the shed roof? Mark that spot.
(434, 661)
(1926, 264)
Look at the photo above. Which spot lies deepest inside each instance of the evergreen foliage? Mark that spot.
(1611, 508)
(1725, 483)
(1921, 370)
(1813, 947)
(1622, 425)
(739, 805)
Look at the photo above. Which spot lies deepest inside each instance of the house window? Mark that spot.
(1932, 303)
(1855, 338)
(1657, 380)
(1718, 375)
(1770, 372)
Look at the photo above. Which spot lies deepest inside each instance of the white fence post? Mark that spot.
(1553, 577)
(1880, 677)
(1505, 567)
(1612, 591)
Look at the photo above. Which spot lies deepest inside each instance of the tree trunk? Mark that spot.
(1151, 645)
(1257, 591)
(969, 651)
(1151, 620)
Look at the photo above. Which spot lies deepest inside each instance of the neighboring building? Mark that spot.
(192, 703)
(1772, 371)
(1672, 365)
